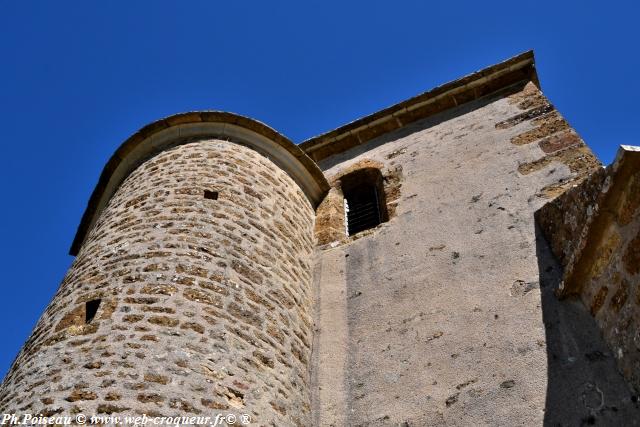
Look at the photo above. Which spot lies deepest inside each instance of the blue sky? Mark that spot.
(77, 78)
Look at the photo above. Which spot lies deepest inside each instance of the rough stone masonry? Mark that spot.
(216, 272)
(204, 303)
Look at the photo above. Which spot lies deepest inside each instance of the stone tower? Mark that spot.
(459, 258)
(191, 287)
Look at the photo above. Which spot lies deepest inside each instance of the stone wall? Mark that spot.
(567, 218)
(594, 229)
(445, 314)
(204, 303)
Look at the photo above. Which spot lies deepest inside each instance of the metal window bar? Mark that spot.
(362, 209)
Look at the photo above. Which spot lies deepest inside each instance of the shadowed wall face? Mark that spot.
(180, 302)
(594, 229)
(612, 287)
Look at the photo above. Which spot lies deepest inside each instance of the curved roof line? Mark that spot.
(177, 129)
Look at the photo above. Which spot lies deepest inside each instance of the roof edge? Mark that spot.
(175, 130)
(449, 95)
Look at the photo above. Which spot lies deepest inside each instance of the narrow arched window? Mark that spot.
(364, 200)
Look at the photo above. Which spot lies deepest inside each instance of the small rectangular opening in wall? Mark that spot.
(364, 200)
(211, 195)
(362, 208)
(91, 309)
